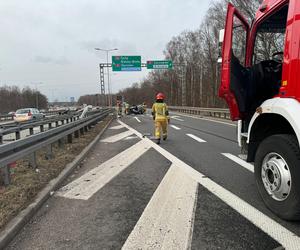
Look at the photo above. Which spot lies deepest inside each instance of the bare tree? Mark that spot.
(13, 98)
(195, 77)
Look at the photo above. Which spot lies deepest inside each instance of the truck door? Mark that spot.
(234, 76)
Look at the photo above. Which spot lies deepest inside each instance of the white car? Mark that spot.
(27, 114)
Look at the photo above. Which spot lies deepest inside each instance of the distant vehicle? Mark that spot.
(136, 109)
(11, 113)
(27, 114)
(65, 111)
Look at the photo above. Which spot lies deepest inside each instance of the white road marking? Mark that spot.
(117, 127)
(195, 138)
(207, 119)
(167, 221)
(90, 183)
(130, 137)
(117, 137)
(137, 119)
(177, 118)
(239, 161)
(173, 126)
(278, 232)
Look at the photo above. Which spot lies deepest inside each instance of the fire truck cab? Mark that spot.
(261, 85)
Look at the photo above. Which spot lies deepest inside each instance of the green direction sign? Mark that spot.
(167, 64)
(126, 63)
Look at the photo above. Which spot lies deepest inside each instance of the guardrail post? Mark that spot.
(70, 138)
(1, 139)
(18, 135)
(81, 131)
(5, 174)
(41, 128)
(61, 143)
(31, 131)
(32, 160)
(56, 124)
(49, 153)
(76, 134)
(62, 122)
(49, 125)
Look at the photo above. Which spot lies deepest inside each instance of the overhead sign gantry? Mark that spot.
(133, 63)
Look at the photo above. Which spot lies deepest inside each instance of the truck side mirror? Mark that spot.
(221, 39)
(221, 35)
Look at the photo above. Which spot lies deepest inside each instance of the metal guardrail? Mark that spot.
(7, 117)
(18, 127)
(15, 127)
(27, 147)
(214, 112)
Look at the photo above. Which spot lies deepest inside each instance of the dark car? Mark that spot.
(137, 109)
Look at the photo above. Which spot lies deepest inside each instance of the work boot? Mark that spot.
(158, 141)
(165, 137)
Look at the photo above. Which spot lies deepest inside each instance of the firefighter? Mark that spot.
(119, 107)
(160, 115)
(127, 108)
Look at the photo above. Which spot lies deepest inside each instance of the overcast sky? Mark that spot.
(49, 44)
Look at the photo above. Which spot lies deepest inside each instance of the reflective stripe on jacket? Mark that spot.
(160, 111)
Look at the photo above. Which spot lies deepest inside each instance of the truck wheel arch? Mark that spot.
(263, 127)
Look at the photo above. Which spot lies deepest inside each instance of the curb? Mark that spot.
(17, 223)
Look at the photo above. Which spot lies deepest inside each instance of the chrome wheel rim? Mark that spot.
(276, 176)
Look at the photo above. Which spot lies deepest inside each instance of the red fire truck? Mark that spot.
(260, 81)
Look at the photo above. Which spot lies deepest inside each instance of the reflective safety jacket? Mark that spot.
(160, 111)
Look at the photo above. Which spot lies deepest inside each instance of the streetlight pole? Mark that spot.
(108, 83)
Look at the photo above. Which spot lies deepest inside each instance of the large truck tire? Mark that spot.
(277, 174)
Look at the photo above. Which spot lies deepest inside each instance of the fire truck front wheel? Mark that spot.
(277, 174)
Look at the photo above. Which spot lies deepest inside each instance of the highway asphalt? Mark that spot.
(188, 192)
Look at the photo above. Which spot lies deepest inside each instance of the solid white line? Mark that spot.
(195, 138)
(239, 161)
(285, 237)
(90, 183)
(177, 118)
(117, 137)
(167, 221)
(117, 127)
(207, 119)
(137, 119)
(130, 138)
(173, 126)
